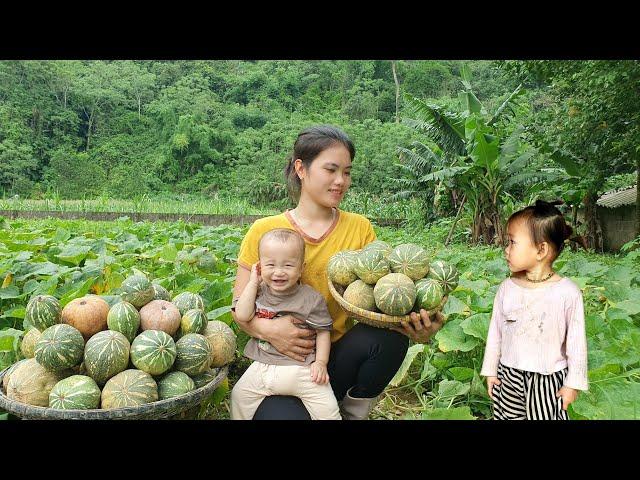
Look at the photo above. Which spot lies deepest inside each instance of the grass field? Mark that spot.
(365, 204)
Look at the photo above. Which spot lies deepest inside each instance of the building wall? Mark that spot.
(618, 225)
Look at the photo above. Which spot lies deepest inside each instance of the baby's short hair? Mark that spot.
(283, 235)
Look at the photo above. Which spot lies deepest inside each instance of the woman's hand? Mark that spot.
(568, 395)
(491, 381)
(424, 326)
(290, 340)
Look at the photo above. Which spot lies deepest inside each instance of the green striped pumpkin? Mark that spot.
(371, 266)
(446, 274)
(206, 263)
(395, 294)
(205, 378)
(137, 290)
(185, 256)
(174, 384)
(429, 294)
(193, 354)
(223, 342)
(77, 392)
(360, 295)
(193, 321)
(153, 351)
(409, 259)
(105, 355)
(379, 246)
(129, 389)
(340, 268)
(160, 293)
(124, 318)
(43, 311)
(28, 345)
(60, 347)
(187, 301)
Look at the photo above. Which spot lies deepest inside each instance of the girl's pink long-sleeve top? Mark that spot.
(538, 330)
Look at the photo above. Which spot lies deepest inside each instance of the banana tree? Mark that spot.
(476, 155)
(497, 165)
(427, 175)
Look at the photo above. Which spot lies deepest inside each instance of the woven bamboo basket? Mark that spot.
(150, 411)
(375, 319)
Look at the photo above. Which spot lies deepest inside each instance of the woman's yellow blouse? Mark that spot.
(350, 231)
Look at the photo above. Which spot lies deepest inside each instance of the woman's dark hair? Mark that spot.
(310, 143)
(546, 224)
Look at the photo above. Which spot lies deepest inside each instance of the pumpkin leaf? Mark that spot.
(613, 397)
(9, 339)
(406, 363)
(452, 388)
(455, 306)
(220, 392)
(218, 312)
(81, 290)
(457, 413)
(169, 252)
(461, 373)
(452, 338)
(61, 235)
(73, 254)
(9, 292)
(477, 325)
(15, 312)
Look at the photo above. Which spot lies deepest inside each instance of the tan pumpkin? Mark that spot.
(29, 341)
(223, 342)
(10, 370)
(88, 314)
(160, 315)
(31, 383)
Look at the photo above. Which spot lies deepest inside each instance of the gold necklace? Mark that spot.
(540, 280)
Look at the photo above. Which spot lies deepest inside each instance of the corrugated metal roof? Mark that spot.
(617, 199)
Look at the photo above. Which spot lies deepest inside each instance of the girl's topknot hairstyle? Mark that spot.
(546, 224)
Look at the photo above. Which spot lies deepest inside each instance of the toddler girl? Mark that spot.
(536, 354)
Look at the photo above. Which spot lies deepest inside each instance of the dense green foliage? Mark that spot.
(585, 118)
(127, 128)
(571, 134)
(433, 138)
(69, 259)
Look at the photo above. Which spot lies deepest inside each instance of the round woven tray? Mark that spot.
(150, 411)
(375, 319)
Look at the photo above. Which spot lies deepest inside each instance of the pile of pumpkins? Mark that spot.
(392, 280)
(141, 348)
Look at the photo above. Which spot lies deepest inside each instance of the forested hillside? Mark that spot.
(124, 128)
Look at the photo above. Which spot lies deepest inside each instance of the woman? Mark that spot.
(363, 359)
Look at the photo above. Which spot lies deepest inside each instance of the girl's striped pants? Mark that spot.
(525, 395)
